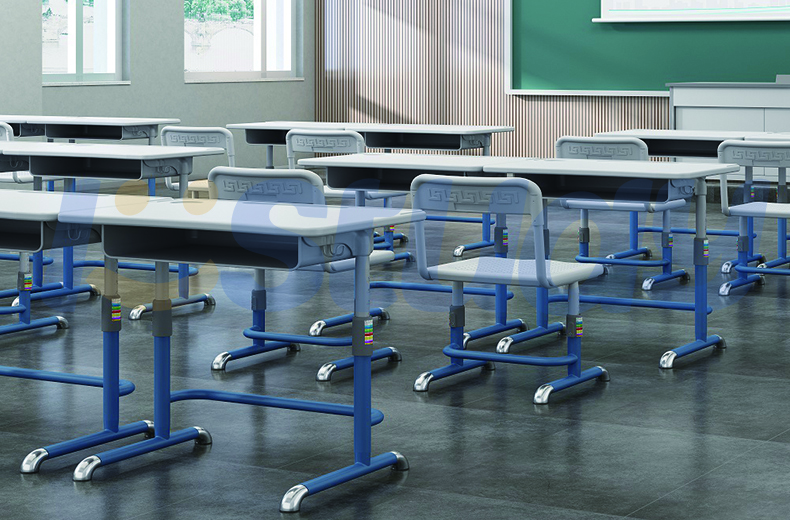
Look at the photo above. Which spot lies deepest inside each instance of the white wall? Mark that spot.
(157, 78)
(20, 57)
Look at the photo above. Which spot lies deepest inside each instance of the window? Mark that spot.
(82, 40)
(242, 40)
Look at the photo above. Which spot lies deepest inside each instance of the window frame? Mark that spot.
(297, 56)
(121, 51)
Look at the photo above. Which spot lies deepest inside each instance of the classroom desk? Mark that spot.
(257, 235)
(100, 161)
(378, 135)
(93, 128)
(684, 143)
(560, 178)
(695, 144)
(390, 137)
(29, 223)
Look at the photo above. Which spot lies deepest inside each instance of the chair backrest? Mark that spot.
(499, 195)
(215, 137)
(613, 148)
(266, 185)
(769, 154)
(322, 141)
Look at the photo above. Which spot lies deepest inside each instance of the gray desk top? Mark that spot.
(406, 161)
(44, 206)
(600, 168)
(92, 121)
(684, 135)
(374, 127)
(104, 151)
(244, 217)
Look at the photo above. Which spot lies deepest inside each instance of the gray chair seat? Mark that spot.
(761, 210)
(509, 271)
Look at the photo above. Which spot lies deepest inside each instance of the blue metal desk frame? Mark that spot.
(364, 416)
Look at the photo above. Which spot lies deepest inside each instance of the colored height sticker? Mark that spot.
(115, 309)
(28, 283)
(579, 327)
(368, 332)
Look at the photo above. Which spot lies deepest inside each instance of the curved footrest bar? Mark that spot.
(327, 369)
(318, 327)
(630, 302)
(454, 351)
(668, 359)
(473, 246)
(376, 416)
(292, 500)
(777, 262)
(620, 261)
(124, 388)
(13, 257)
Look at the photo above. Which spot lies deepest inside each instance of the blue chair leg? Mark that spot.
(745, 243)
(667, 273)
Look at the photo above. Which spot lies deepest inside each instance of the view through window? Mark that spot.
(240, 39)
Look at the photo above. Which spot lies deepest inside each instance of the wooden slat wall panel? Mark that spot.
(441, 61)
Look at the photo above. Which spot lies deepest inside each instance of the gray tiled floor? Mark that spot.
(708, 440)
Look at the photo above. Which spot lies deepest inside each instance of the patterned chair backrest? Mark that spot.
(769, 154)
(266, 185)
(200, 136)
(612, 148)
(322, 141)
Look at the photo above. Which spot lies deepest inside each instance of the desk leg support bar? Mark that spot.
(702, 339)
(163, 437)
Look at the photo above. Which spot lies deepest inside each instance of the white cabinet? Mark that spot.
(754, 107)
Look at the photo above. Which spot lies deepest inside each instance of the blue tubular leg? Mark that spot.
(259, 344)
(163, 437)
(364, 464)
(745, 243)
(485, 242)
(113, 388)
(666, 254)
(702, 340)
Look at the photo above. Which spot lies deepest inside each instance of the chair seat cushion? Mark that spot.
(644, 207)
(761, 210)
(510, 271)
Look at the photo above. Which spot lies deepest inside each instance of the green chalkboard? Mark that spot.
(556, 46)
